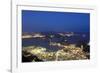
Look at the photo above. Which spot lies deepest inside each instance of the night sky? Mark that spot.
(46, 21)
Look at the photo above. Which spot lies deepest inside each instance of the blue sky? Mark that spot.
(45, 21)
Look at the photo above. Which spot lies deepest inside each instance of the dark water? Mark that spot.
(75, 39)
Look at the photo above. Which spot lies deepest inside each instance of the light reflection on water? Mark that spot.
(45, 42)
